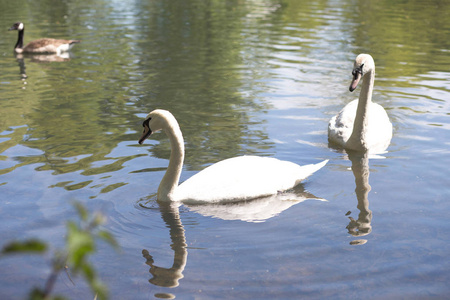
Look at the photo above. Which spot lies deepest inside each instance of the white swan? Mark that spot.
(362, 125)
(233, 179)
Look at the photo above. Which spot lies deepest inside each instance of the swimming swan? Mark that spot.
(233, 179)
(362, 125)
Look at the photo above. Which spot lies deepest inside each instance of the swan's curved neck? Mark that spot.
(170, 180)
(357, 140)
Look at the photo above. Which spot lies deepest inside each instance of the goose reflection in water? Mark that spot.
(362, 226)
(39, 58)
(22, 68)
(43, 58)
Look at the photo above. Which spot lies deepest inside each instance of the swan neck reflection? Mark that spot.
(169, 277)
(360, 168)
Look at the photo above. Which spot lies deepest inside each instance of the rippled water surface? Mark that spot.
(242, 77)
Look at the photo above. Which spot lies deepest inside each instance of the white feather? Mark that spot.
(243, 178)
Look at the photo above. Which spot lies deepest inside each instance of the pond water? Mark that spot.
(242, 77)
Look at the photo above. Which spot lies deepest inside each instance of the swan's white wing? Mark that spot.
(242, 178)
(379, 132)
(340, 127)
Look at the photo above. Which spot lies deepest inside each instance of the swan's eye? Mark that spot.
(358, 70)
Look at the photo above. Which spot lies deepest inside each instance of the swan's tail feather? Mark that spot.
(320, 165)
(310, 169)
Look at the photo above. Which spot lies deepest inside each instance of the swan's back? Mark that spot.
(243, 178)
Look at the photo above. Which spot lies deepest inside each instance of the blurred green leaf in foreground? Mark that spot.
(80, 244)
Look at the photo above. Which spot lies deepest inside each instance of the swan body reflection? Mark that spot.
(256, 210)
(230, 180)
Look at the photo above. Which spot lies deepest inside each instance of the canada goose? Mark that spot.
(44, 45)
(232, 179)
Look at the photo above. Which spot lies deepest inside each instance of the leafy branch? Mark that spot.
(80, 244)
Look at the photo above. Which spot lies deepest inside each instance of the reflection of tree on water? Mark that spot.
(168, 277)
(199, 76)
(362, 226)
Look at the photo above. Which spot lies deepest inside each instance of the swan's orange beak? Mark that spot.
(147, 132)
(355, 81)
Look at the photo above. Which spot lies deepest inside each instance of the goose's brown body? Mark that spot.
(45, 45)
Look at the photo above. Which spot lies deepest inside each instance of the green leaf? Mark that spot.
(82, 211)
(100, 289)
(79, 245)
(31, 246)
(89, 272)
(108, 237)
(94, 282)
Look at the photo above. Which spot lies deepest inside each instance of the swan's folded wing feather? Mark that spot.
(243, 178)
(340, 127)
(379, 132)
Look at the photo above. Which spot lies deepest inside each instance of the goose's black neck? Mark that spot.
(19, 43)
